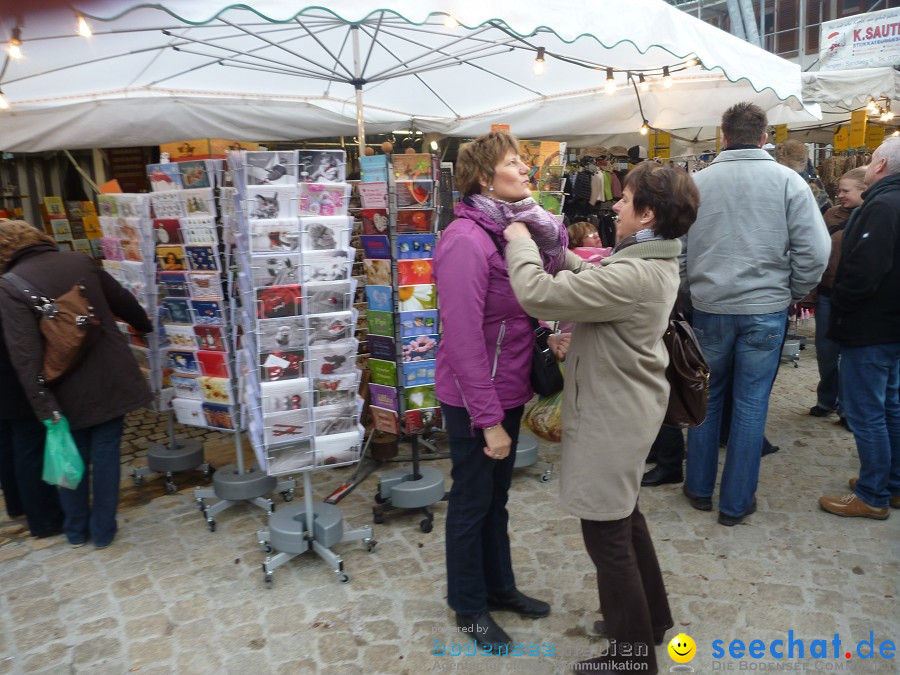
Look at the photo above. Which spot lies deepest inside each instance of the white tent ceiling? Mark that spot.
(283, 70)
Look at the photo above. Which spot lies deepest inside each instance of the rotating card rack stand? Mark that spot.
(527, 455)
(298, 350)
(399, 216)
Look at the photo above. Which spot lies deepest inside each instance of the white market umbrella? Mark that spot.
(281, 70)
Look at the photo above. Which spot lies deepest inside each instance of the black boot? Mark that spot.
(518, 602)
(482, 628)
(661, 476)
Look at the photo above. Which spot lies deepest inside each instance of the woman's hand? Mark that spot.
(516, 230)
(559, 344)
(498, 443)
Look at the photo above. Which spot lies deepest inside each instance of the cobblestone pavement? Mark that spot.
(171, 596)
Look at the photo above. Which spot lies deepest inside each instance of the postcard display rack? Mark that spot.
(398, 214)
(298, 351)
(127, 246)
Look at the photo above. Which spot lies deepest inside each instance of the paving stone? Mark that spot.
(96, 649)
(38, 634)
(148, 652)
(335, 647)
(154, 626)
(53, 656)
(100, 625)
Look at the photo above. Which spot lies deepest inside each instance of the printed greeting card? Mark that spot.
(286, 334)
(329, 296)
(174, 285)
(281, 365)
(420, 397)
(199, 230)
(164, 177)
(416, 323)
(411, 272)
(107, 204)
(382, 347)
(186, 386)
(415, 246)
(374, 221)
(189, 411)
(373, 195)
(322, 166)
(171, 258)
(414, 220)
(324, 233)
(199, 202)
(205, 285)
(167, 231)
(112, 248)
(385, 420)
(323, 199)
(194, 174)
(202, 258)
(336, 358)
(210, 338)
(378, 272)
(335, 389)
(213, 364)
(415, 194)
(269, 202)
(331, 327)
(275, 302)
(384, 397)
(218, 416)
(380, 298)
(181, 337)
(130, 205)
(287, 427)
(551, 179)
(411, 167)
(381, 323)
(415, 298)
(373, 168)
(274, 235)
(169, 204)
(383, 372)
(208, 312)
(275, 269)
(418, 372)
(177, 310)
(92, 229)
(284, 396)
(276, 167)
(333, 265)
(334, 419)
(216, 389)
(182, 361)
(376, 246)
(61, 229)
(422, 420)
(55, 207)
(420, 348)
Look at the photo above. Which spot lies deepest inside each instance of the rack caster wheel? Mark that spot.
(370, 545)
(137, 480)
(207, 475)
(344, 577)
(265, 547)
(379, 499)
(426, 526)
(201, 504)
(171, 489)
(267, 577)
(212, 524)
(545, 477)
(287, 495)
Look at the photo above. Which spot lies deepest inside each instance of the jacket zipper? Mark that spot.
(465, 405)
(499, 348)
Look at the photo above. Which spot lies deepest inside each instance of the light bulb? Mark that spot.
(691, 62)
(872, 107)
(4, 104)
(643, 84)
(84, 28)
(896, 133)
(610, 82)
(667, 77)
(450, 22)
(15, 44)
(434, 146)
(539, 62)
(645, 128)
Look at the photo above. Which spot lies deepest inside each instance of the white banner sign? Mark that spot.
(861, 41)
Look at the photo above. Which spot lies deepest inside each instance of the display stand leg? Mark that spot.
(416, 488)
(179, 455)
(297, 528)
(527, 455)
(233, 485)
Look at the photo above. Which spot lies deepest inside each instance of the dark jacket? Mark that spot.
(107, 383)
(13, 402)
(835, 220)
(865, 300)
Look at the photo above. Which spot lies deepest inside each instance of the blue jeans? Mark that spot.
(477, 540)
(99, 448)
(828, 354)
(743, 349)
(870, 391)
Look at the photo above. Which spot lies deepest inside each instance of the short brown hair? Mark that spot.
(857, 175)
(670, 192)
(578, 231)
(793, 154)
(16, 234)
(744, 124)
(476, 160)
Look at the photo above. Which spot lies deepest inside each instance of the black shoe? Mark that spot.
(699, 503)
(518, 602)
(731, 521)
(660, 476)
(659, 634)
(52, 532)
(819, 411)
(482, 628)
(769, 449)
(651, 457)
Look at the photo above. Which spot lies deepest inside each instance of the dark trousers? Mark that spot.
(21, 468)
(632, 593)
(477, 540)
(668, 449)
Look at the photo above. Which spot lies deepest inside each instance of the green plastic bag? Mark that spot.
(63, 465)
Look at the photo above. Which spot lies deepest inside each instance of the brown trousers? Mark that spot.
(632, 593)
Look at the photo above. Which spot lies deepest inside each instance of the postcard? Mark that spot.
(376, 246)
(323, 199)
(325, 233)
(55, 207)
(199, 202)
(164, 177)
(373, 195)
(382, 347)
(61, 229)
(418, 372)
(188, 411)
(415, 298)
(218, 416)
(285, 334)
(322, 166)
(420, 397)
(336, 358)
(384, 397)
(202, 258)
(415, 246)
(331, 327)
(286, 395)
(92, 229)
(422, 420)
(287, 427)
(338, 449)
(332, 265)
(413, 272)
(274, 167)
(107, 204)
(177, 310)
(169, 204)
(204, 285)
(213, 364)
(417, 323)
(415, 220)
(335, 389)
(130, 205)
(112, 248)
(334, 419)
(132, 250)
(381, 323)
(420, 348)
(411, 167)
(378, 272)
(199, 230)
(182, 361)
(274, 236)
(385, 420)
(281, 365)
(415, 194)
(167, 231)
(210, 338)
(329, 296)
(194, 174)
(171, 258)
(374, 221)
(383, 372)
(186, 386)
(181, 337)
(208, 312)
(551, 201)
(380, 298)
(550, 179)
(275, 269)
(269, 202)
(216, 390)
(373, 168)
(275, 302)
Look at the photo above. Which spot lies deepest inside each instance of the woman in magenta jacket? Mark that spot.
(483, 367)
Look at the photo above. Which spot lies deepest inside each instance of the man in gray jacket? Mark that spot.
(759, 244)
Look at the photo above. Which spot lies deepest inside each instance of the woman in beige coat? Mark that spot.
(616, 393)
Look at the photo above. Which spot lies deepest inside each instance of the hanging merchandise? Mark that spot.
(298, 354)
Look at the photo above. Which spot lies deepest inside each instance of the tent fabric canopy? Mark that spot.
(851, 87)
(282, 70)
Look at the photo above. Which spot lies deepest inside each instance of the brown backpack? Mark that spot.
(67, 324)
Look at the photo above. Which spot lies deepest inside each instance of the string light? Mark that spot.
(539, 62)
(450, 22)
(610, 82)
(15, 44)
(896, 133)
(667, 77)
(872, 107)
(84, 28)
(434, 146)
(645, 128)
(4, 104)
(643, 85)
(691, 62)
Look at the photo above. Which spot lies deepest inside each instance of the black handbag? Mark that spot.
(546, 377)
(687, 373)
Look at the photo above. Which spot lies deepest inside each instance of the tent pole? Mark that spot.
(358, 83)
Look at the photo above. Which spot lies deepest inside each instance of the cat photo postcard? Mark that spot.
(331, 327)
(331, 265)
(270, 202)
(322, 166)
(276, 167)
(285, 334)
(275, 269)
(325, 233)
(271, 236)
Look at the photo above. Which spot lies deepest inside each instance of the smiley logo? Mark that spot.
(682, 648)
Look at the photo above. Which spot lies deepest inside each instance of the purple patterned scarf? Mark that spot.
(547, 231)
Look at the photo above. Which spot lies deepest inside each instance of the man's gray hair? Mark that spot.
(890, 150)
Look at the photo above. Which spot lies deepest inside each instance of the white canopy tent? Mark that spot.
(283, 70)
